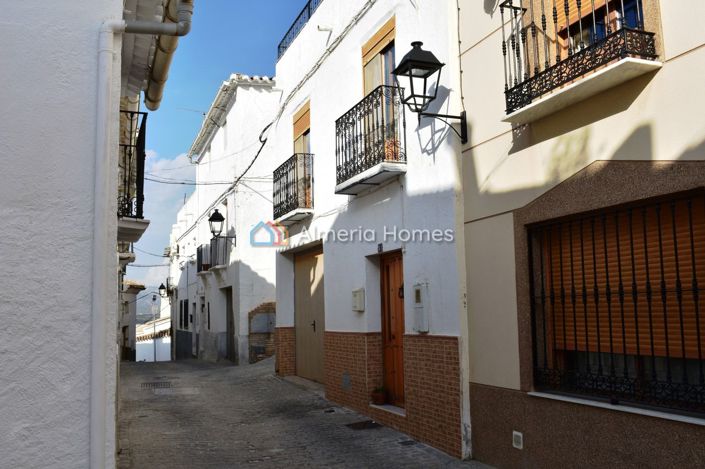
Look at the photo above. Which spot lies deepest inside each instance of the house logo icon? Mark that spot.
(269, 234)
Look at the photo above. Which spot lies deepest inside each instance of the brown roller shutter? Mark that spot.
(624, 281)
(302, 120)
(381, 39)
(585, 10)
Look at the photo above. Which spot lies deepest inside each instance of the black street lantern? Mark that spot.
(216, 222)
(162, 291)
(415, 72)
(417, 69)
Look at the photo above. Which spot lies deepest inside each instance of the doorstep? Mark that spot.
(392, 409)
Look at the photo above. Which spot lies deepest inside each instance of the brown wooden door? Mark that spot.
(309, 315)
(393, 326)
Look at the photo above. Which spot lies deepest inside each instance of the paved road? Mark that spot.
(193, 415)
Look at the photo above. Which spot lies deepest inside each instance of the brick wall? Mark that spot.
(261, 343)
(565, 434)
(432, 388)
(285, 350)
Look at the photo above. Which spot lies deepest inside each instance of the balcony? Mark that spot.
(587, 48)
(293, 189)
(220, 251)
(301, 20)
(133, 131)
(371, 141)
(214, 255)
(203, 258)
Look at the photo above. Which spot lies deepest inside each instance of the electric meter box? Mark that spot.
(422, 308)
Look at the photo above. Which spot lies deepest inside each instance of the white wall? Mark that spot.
(47, 147)
(251, 271)
(145, 350)
(427, 197)
(129, 317)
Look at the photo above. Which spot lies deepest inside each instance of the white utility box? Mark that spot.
(358, 300)
(421, 308)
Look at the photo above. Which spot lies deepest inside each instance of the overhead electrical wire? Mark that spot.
(147, 173)
(142, 297)
(150, 253)
(187, 183)
(263, 142)
(223, 157)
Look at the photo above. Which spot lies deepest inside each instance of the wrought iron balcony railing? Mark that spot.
(220, 251)
(542, 54)
(372, 132)
(293, 185)
(298, 25)
(203, 258)
(133, 130)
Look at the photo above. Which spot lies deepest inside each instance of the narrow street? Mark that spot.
(192, 414)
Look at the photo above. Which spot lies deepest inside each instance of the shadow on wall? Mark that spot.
(257, 341)
(439, 130)
(569, 153)
(579, 115)
(491, 6)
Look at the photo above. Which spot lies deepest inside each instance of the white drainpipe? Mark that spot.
(102, 205)
(177, 22)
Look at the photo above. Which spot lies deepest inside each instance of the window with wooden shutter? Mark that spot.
(617, 309)
(378, 58)
(302, 127)
(294, 186)
(593, 21)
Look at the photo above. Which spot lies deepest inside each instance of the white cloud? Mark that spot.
(161, 203)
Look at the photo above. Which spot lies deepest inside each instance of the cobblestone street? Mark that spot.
(191, 414)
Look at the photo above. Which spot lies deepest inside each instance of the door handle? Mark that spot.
(401, 292)
(313, 324)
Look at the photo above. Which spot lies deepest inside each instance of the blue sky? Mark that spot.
(228, 36)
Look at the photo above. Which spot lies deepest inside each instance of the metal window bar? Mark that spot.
(642, 345)
(299, 23)
(603, 32)
(372, 132)
(133, 131)
(293, 185)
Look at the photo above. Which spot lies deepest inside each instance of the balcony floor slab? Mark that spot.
(294, 216)
(130, 230)
(370, 178)
(596, 82)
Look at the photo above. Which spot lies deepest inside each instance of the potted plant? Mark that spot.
(392, 149)
(379, 395)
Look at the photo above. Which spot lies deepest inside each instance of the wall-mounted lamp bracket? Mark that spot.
(463, 134)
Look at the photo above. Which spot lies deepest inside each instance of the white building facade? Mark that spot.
(128, 319)
(154, 340)
(68, 72)
(370, 286)
(223, 285)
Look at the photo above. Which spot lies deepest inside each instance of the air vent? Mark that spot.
(156, 385)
